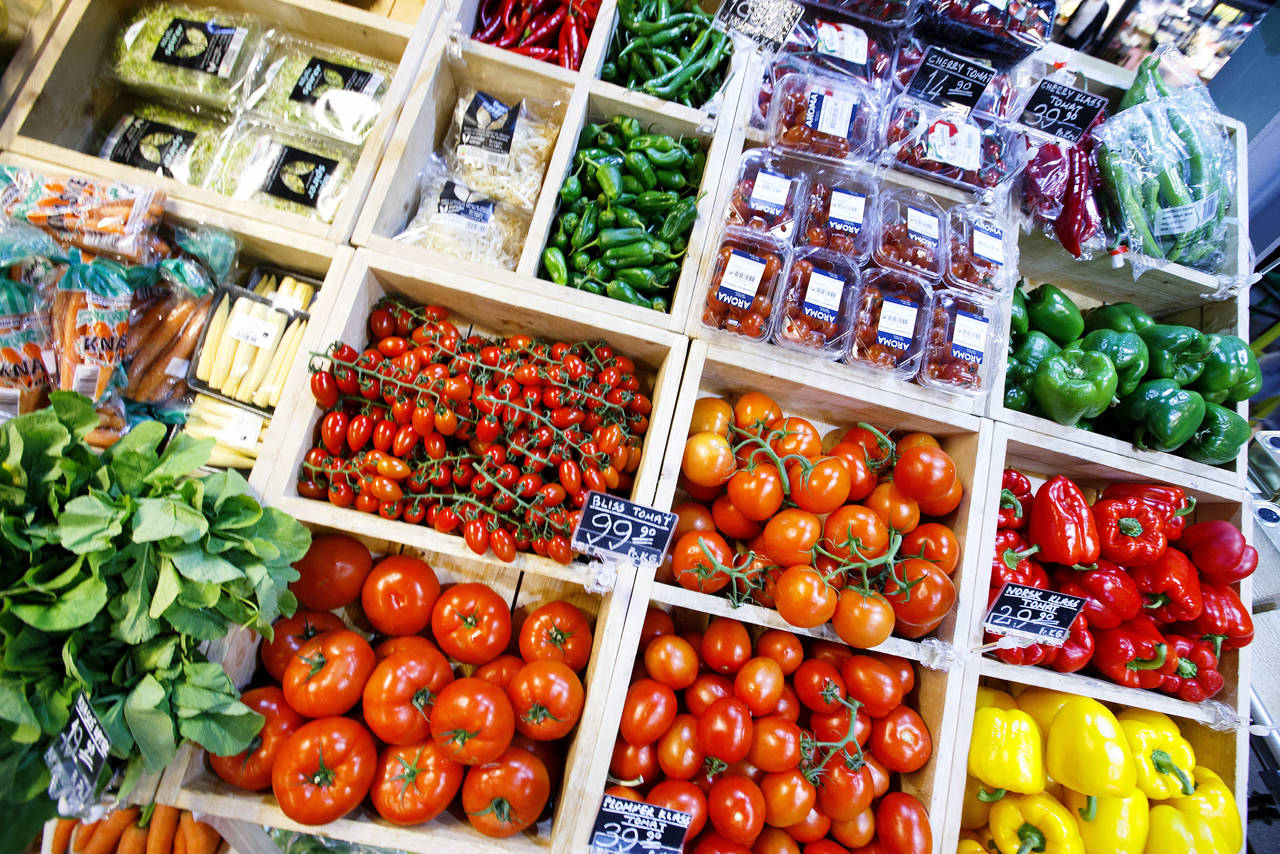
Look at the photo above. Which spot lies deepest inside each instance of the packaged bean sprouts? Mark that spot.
(501, 149)
(176, 143)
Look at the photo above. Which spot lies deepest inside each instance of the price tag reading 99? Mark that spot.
(614, 527)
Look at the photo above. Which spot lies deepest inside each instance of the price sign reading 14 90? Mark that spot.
(614, 526)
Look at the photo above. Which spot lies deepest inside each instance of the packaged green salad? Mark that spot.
(320, 88)
(301, 173)
(177, 143)
(191, 53)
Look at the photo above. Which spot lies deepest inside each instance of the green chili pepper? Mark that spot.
(579, 205)
(571, 190)
(665, 159)
(586, 230)
(620, 290)
(569, 221)
(628, 217)
(658, 142)
(596, 156)
(553, 260)
(638, 254)
(679, 219)
(590, 286)
(598, 271)
(628, 126)
(697, 164)
(609, 71)
(671, 179)
(580, 260)
(604, 139)
(640, 167)
(608, 217)
(612, 237)
(667, 272)
(631, 184)
(640, 278)
(654, 201)
(660, 303)
(559, 240)
(610, 178)
(588, 134)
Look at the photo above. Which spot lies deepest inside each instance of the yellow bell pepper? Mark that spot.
(1006, 751)
(1087, 751)
(973, 809)
(970, 844)
(985, 839)
(1042, 704)
(1173, 830)
(1214, 801)
(1164, 758)
(1110, 825)
(992, 697)
(1025, 823)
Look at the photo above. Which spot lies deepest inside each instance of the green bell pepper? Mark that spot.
(1219, 438)
(1161, 415)
(1019, 323)
(1052, 312)
(1017, 397)
(1120, 316)
(1177, 353)
(1126, 350)
(1231, 373)
(1024, 359)
(1074, 384)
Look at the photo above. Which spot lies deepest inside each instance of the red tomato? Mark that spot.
(775, 744)
(290, 634)
(679, 755)
(756, 491)
(788, 797)
(754, 410)
(823, 487)
(774, 840)
(731, 522)
(408, 643)
(705, 690)
(789, 705)
(414, 783)
(804, 598)
(814, 826)
(708, 459)
(935, 542)
(505, 796)
(946, 504)
(327, 675)
(725, 730)
(398, 595)
(546, 698)
(399, 695)
(856, 832)
(684, 796)
(711, 842)
(473, 721)
(471, 622)
(557, 631)
(900, 740)
(726, 646)
(789, 537)
(902, 824)
(332, 572)
(633, 765)
(902, 669)
(924, 595)
(872, 683)
(759, 685)
(861, 478)
(648, 710)
(783, 647)
(819, 686)
(500, 671)
(736, 808)
(924, 473)
(324, 770)
(694, 561)
(894, 507)
(862, 620)
(854, 528)
(845, 793)
(792, 435)
(671, 660)
(656, 622)
(251, 769)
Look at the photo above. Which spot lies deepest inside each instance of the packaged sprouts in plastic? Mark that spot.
(501, 149)
(299, 173)
(196, 54)
(984, 250)
(458, 221)
(179, 143)
(321, 88)
(814, 310)
(822, 116)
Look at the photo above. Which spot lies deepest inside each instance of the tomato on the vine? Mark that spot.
(922, 594)
(756, 491)
(708, 459)
(863, 620)
(546, 699)
(711, 415)
(789, 537)
(324, 770)
(821, 486)
(933, 542)
(557, 631)
(754, 411)
(896, 509)
(924, 473)
(695, 558)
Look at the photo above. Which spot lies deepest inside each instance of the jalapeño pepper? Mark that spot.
(627, 217)
(610, 178)
(585, 231)
(620, 290)
(679, 219)
(553, 260)
(638, 254)
(665, 159)
(640, 167)
(655, 201)
(671, 179)
(641, 278)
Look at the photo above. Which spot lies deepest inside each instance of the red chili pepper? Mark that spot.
(490, 26)
(1132, 654)
(536, 51)
(1112, 595)
(1219, 551)
(1062, 526)
(1225, 622)
(1076, 651)
(544, 27)
(1171, 502)
(1015, 500)
(562, 45)
(1071, 223)
(1130, 529)
(1170, 587)
(1192, 670)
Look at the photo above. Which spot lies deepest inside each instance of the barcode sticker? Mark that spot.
(770, 192)
(85, 380)
(843, 40)
(287, 300)
(9, 400)
(959, 148)
(258, 331)
(897, 325)
(823, 296)
(988, 244)
(922, 225)
(969, 337)
(741, 279)
(242, 430)
(177, 367)
(847, 211)
(831, 115)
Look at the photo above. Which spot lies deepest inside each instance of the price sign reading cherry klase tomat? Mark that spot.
(623, 826)
(615, 527)
(1034, 614)
(1062, 111)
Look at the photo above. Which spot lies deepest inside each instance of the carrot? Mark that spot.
(62, 835)
(133, 840)
(202, 838)
(84, 833)
(180, 844)
(186, 826)
(109, 832)
(164, 824)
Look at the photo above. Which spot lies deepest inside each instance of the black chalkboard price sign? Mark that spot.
(76, 759)
(632, 827)
(1030, 613)
(949, 80)
(615, 527)
(1062, 111)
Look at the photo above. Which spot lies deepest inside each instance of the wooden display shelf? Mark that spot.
(42, 22)
(1040, 456)
(58, 113)
(493, 308)
(190, 783)
(404, 11)
(453, 63)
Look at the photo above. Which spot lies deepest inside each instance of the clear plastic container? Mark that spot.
(748, 267)
(891, 14)
(176, 142)
(768, 194)
(814, 311)
(910, 233)
(837, 213)
(946, 145)
(299, 173)
(962, 341)
(984, 250)
(822, 116)
(890, 322)
(320, 88)
(1005, 30)
(192, 54)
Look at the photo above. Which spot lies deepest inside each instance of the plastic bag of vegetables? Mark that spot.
(501, 149)
(180, 143)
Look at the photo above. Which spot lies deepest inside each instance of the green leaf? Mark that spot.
(220, 733)
(148, 716)
(157, 654)
(130, 470)
(54, 575)
(112, 717)
(75, 411)
(162, 518)
(183, 456)
(14, 706)
(167, 588)
(134, 624)
(194, 563)
(196, 594)
(74, 608)
(144, 438)
(89, 523)
(195, 623)
(220, 486)
(237, 511)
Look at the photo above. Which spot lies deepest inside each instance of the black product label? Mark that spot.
(768, 23)
(488, 128)
(614, 526)
(1030, 613)
(623, 826)
(147, 144)
(1062, 111)
(321, 76)
(949, 80)
(200, 45)
(76, 758)
(299, 176)
(463, 208)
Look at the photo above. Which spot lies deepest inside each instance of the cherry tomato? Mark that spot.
(472, 721)
(324, 770)
(648, 710)
(398, 595)
(324, 388)
(251, 769)
(471, 623)
(505, 796)
(332, 572)
(414, 783)
(290, 634)
(328, 673)
(726, 646)
(900, 740)
(400, 693)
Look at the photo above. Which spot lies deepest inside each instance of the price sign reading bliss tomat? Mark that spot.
(612, 526)
(1041, 616)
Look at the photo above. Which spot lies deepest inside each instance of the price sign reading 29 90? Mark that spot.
(616, 527)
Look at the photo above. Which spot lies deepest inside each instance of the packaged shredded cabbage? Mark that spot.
(176, 143)
(501, 149)
(298, 173)
(321, 88)
(193, 53)
(458, 221)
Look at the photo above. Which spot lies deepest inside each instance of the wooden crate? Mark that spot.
(191, 784)
(55, 114)
(404, 11)
(493, 307)
(831, 403)
(43, 16)
(1040, 456)
(455, 61)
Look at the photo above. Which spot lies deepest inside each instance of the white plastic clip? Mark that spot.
(938, 655)
(604, 576)
(454, 48)
(1224, 717)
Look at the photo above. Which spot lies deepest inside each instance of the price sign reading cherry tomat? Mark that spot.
(618, 528)
(949, 80)
(623, 826)
(1034, 614)
(1062, 111)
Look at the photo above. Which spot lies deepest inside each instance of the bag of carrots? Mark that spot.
(158, 829)
(25, 341)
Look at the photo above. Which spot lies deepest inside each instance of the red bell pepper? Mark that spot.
(1012, 564)
(1219, 551)
(1225, 622)
(1015, 501)
(1192, 670)
(1023, 656)
(1170, 587)
(1112, 595)
(1062, 525)
(1131, 654)
(1131, 531)
(1076, 650)
(1171, 502)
